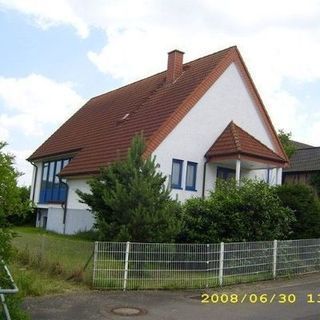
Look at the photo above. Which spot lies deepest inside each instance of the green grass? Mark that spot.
(33, 282)
(83, 235)
(65, 256)
(47, 263)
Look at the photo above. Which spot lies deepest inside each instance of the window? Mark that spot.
(176, 174)
(225, 173)
(52, 190)
(191, 176)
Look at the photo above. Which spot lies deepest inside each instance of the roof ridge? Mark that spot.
(307, 148)
(210, 54)
(235, 135)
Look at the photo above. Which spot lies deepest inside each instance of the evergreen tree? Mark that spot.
(130, 201)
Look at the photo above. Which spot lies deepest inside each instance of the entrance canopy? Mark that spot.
(234, 144)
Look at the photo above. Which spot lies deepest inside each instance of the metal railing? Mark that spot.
(129, 265)
(5, 291)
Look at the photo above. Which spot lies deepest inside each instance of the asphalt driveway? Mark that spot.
(297, 299)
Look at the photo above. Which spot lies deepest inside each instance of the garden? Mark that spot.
(171, 243)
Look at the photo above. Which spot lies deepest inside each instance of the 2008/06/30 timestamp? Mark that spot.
(253, 298)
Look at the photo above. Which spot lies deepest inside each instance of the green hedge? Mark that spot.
(252, 212)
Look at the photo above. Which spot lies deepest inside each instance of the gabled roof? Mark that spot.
(234, 141)
(306, 159)
(101, 131)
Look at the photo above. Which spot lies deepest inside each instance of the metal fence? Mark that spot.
(120, 265)
(7, 286)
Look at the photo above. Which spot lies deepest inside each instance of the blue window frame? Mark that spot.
(191, 176)
(52, 189)
(176, 174)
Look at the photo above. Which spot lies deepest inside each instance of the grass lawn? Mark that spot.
(66, 256)
(50, 263)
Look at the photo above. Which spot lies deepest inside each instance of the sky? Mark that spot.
(57, 54)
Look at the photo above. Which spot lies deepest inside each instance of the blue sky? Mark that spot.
(55, 55)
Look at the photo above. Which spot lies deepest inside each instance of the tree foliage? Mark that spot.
(315, 181)
(26, 214)
(287, 144)
(252, 212)
(130, 201)
(301, 200)
(10, 200)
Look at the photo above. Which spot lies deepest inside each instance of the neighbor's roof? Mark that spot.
(307, 159)
(235, 141)
(101, 131)
(301, 145)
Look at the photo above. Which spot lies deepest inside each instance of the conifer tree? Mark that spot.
(130, 201)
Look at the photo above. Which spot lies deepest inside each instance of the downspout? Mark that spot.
(204, 177)
(64, 205)
(34, 182)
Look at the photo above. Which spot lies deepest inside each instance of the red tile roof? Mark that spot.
(101, 131)
(235, 141)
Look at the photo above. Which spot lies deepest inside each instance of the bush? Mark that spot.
(302, 201)
(252, 212)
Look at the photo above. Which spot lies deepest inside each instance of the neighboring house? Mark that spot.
(202, 120)
(304, 163)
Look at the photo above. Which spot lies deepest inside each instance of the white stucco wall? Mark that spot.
(228, 99)
(73, 198)
(55, 220)
(78, 220)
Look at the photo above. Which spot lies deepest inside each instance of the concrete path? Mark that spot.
(186, 305)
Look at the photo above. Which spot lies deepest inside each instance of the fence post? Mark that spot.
(95, 256)
(275, 250)
(221, 263)
(126, 264)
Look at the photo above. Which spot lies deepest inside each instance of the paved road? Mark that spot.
(186, 305)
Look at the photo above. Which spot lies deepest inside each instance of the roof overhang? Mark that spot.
(250, 162)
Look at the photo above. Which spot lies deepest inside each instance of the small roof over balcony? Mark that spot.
(234, 143)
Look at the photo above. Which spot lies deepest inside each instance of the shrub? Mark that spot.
(252, 212)
(302, 201)
(200, 222)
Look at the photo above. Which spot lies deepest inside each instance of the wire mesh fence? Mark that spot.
(120, 265)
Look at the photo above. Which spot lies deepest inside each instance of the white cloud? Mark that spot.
(34, 102)
(31, 108)
(279, 40)
(23, 166)
(49, 13)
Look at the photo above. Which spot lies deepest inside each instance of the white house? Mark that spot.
(202, 120)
